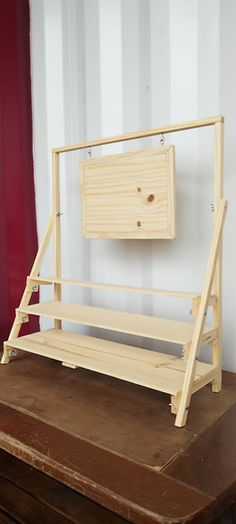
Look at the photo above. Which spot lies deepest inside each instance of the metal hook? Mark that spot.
(162, 140)
(89, 152)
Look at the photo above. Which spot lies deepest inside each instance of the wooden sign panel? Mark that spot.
(129, 195)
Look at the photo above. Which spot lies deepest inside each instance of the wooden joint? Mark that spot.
(21, 318)
(32, 288)
(33, 283)
(185, 351)
(196, 304)
(210, 339)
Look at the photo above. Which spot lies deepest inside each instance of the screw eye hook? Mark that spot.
(162, 140)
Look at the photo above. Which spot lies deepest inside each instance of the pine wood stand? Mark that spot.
(179, 377)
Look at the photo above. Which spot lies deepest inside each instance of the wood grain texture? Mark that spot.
(111, 207)
(6, 519)
(217, 282)
(210, 463)
(151, 327)
(28, 292)
(56, 228)
(147, 368)
(130, 195)
(195, 124)
(123, 288)
(200, 320)
(29, 510)
(119, 416)
(52, 497)
(106, 478)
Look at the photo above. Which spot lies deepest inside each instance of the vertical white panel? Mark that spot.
(92, 103)
(107, 255)
(183, 59)
(130, 69)
(144, 61)
(76, 265)
(208, 104)
(132, 81)
(47, 98)
(54, 71)
(145, 249)
(111, 70)
(39, 114)
(227, 83)
(160, 63)
(92, 71)
(54, 93)
(184, 106)
(208, 57)
(159, 115)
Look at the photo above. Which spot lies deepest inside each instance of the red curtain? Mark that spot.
(18, 236)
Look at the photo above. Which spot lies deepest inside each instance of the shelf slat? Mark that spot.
(146, 326)
(144, 367)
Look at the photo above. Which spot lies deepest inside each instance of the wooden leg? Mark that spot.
(216, 357)
(217, 282)
(175, 403)
(16, 326)
(56, 230)
(6, 357)
(186, 394)
(217, 382)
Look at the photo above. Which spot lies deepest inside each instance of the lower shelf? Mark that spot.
(144, 367)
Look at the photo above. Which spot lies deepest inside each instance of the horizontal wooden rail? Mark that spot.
(141, 134)
(115, 287)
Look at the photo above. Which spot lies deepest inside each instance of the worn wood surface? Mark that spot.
(115, 442)
(125, 418)
(6, 519)
(29, 496)
(134, 491)
(211, 464)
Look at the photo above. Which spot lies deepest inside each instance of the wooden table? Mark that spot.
(115, 444)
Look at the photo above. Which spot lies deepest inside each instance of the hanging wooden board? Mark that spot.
(129, 195)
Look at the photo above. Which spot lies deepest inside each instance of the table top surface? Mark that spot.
(116, 442)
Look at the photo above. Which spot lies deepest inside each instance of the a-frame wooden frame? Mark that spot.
(180, 377)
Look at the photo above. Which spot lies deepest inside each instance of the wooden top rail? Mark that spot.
(115, 287)
(141, 134)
